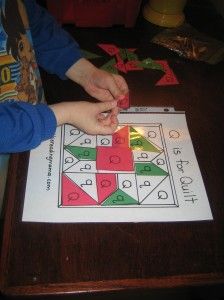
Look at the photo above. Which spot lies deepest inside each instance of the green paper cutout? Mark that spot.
(138, 142)
(119, 198)
(122, 53)
(109, 66)
(131, 55)
(149, 63)
(89, 55)
(82, 153)
(149, 169)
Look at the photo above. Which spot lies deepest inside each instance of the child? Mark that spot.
(58, 53)
(25, 119)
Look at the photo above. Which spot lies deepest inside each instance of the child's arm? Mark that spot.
(55, 49)
(98, 83)
(58, 53)
(89, 117)
(25, 126)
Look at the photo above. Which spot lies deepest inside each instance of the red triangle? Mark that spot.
(124, 102)
(109, 48)
(169, 78)
(106, 185)
(121, 137)
(73, 195)
(120, 66)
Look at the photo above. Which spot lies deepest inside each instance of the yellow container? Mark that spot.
(166, 13)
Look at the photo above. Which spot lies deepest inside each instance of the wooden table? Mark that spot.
(127, 261)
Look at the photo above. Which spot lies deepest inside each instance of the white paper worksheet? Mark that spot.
(146, 171)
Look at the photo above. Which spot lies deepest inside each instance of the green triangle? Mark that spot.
(82, 153)
(89, 55)
(122, 53)
(131, 55)
(148, 63)
(138, 142)
(119, 198)
(149, 169)
(109, 66)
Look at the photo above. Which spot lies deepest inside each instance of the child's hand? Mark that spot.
(88, 117)
(98, 83)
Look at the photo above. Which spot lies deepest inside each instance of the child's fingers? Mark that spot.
(108, 129)
(114, 120)
(110, 118)
(119, 86)
(104, 119)
(105, 106)
(115, 110)
(107, 124)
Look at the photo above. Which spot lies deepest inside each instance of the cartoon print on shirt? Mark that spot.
(19, 47)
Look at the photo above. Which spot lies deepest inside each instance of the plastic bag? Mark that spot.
(191, 44)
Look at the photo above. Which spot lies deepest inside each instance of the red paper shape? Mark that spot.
(73, 195)
(169, 78)
(106, 185)
(114, 159)
(121, 138)
(109, 48)
(118, 57)
(120, 66)
(133, 65)
(124, 102)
